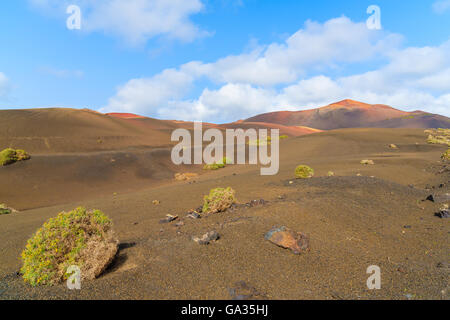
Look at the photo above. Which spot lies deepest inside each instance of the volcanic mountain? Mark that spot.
(354, 114)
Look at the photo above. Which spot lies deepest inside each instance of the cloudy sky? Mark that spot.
(223, 60)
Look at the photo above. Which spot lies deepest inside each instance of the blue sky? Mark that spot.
(223, 60)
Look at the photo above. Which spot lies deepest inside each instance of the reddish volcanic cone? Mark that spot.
(125, 115)
(354, 114)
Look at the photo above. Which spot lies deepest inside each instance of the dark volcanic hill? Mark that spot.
(354, 114)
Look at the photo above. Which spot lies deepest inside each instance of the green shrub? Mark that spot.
(22, 155)
(218, 200)
(438, 136)
(225, 160)
(283, 137)
(79, 237)
(9, 156)
(330, 174)
(304, 172)
(213, 166)
(4, 209)
(446, 155)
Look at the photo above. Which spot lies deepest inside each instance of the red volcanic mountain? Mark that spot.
(354, 114)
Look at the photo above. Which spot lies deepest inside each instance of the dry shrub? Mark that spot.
(9, 156)
(438, 136)
(218, 200)
(304, 172)
(367, 162)
(446, 155)
(185, 176)
(79, 237)
(214, 166)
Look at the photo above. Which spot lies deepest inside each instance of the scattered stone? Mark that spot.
(243, 291)
(193, 215)
(255, 203)
(291, 182)
(207, 238)
(367, 162)
(439, 198)
(288, 239)
(156, 202)
(179, 224)
(443, 212)
(407, 227)
(358, 174)
(168, 218)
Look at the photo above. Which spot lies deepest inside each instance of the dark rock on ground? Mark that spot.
(288, 239)
(439, 198)
(193, 215)
(168, 218)
(243, 291)
(207, 238)
(442, 213)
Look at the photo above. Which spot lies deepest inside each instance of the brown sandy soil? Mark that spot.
(353, 221)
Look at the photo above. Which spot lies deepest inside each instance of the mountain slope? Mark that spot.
(354, 114)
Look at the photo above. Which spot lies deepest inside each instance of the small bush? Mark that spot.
(218, 200)
(214, 166)
(304, 172)
(446, 155)
(225, 160)
(79, 237)
(9, 156)
(330, 174)
(22, 155)
(438, 136)
(283, 137)
(185, 176)
(4, 209)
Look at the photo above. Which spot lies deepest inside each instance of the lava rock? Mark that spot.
(442, 213)
(288, 239)
(255, 203)
(207, 238)
(193, 215)
(168, 218)
(244, 291)
(439, 198)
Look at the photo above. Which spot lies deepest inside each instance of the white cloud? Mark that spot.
(141, 95)
(441, 6)
(135, 21)
(316, 46)
(4, 86)
(294, 75)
